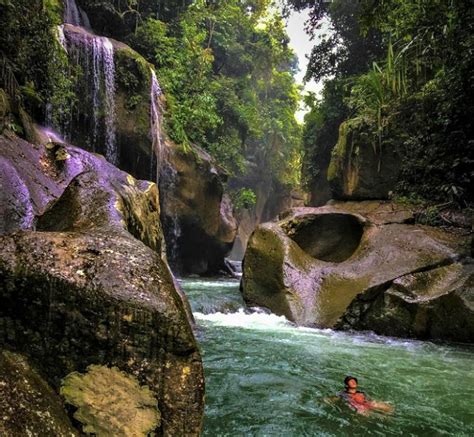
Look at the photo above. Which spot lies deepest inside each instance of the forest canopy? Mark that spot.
(403, 69)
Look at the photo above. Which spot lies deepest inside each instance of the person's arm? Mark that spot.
(382, 406)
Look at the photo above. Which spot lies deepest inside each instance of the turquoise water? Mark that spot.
(266, 377)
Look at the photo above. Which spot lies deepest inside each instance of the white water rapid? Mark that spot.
(267, 377)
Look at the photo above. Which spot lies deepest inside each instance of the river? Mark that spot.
(266, 377)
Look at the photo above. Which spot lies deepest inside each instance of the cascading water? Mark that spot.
(172, 228)
(73, 14)
(96, 88)
(106, 54)
(155, 93)
(91, 117)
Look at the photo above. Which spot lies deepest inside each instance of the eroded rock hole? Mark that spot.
(328, 237)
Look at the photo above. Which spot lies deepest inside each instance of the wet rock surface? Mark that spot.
(437, 303)
(340, 266)
(81, 290)
(197, 215)
(28, 406)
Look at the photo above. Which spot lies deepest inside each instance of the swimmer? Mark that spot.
(358, 401)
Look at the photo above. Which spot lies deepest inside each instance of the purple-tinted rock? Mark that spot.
(83, 289)
(322, 266)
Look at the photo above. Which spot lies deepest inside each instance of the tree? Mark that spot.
(227, 71)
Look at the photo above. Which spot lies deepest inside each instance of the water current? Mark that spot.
(267, 377)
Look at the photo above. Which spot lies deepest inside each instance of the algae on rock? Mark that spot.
(110, 402)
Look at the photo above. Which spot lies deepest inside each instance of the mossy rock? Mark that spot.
(104, 291)
(111, 403)
(5, 107)
(193, 201)
(135, 153)
(55, 9)
(437, 303)
(360, 168)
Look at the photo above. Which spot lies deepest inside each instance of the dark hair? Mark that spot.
(348, 378)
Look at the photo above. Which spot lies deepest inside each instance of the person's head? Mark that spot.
(350, 382)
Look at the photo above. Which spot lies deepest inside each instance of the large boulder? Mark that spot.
(327, 266)
(437, 303)
(29, 407)
(360, 168)
(197, 216)
(79, 288)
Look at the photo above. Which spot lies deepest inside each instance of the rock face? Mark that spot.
(359, 169)
(28, 405)
(77, 289)
(361, 265)
(196, 214)
(437, 303)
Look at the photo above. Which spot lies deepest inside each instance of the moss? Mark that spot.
(134, 81)
(134, 70)
(55, 10)
(140, 209)
(338, 154)
(111, 403)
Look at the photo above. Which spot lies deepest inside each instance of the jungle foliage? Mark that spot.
(227, 71)
(406, 69)
(31, 59)
(225, 67)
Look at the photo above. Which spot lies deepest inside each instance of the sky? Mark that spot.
(302, 45)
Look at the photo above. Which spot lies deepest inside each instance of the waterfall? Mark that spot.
(171, 224)
(175, 234)
(155, 94)
(72, 14)
(107, 56)
(95, 55)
